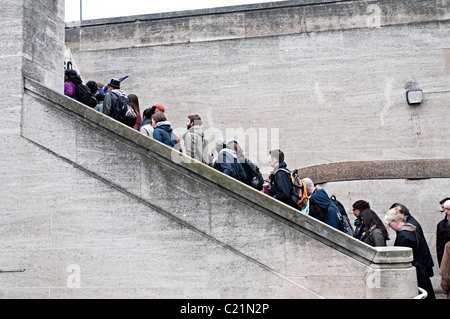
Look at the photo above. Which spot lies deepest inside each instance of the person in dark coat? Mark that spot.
(71, 78)
(408, 236)
(280, 179)
(443, 231)
(320, 205)
(227, 161)
(408, 218)
(358, 207)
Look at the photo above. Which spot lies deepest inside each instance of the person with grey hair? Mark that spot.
(408, 236)
(320, 205)
(408, 218)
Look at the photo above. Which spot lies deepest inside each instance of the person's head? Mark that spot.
(134, 99)
(235, 147)
(402, 208)
(359, 206)
(394, 218)
(309, 185)
(370, 218)
(114, 84)
(193, 120)
(276, 157)
(72, 76)
(446, 208)
(69, 73)
(92, 85)
(158, 117)
(159, 108)
(220, 144)
(148, 113)
(442, 203)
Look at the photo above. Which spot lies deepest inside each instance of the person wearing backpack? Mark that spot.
(162, 131)
(112, 94)
(254, 176)
(227, 161)
(78, 90)
(118, 106)
(320, 205)
(280, 184)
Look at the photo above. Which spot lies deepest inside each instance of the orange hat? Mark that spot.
(160, 107)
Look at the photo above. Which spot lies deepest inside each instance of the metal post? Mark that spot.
(81, 10)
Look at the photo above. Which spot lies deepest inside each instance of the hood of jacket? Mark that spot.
(165, 125)
(230, 156)
(320, 198)
(408, 227)
(196, 129)
(118, 92)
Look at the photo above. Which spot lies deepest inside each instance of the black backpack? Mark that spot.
(254, 176)
(123, 110)
(344, 221)
(85, 96)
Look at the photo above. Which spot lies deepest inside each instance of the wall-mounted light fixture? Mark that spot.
(414, 97)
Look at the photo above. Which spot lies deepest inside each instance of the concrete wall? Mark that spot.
(93, 209)
(324, 81)
(129, 218)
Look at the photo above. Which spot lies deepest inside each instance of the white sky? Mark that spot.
(98, 9)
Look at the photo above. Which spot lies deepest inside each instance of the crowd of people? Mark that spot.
(230, 160)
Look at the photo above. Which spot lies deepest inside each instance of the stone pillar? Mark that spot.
(32, 45)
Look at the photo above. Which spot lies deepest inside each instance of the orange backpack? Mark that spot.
(298, 190)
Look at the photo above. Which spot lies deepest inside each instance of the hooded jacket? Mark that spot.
(163, 133)
(321, 199)
(195, 144)
(228, 164)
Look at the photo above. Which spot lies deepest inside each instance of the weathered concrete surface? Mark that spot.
(326, 79)
(141, 223)
(94, 209)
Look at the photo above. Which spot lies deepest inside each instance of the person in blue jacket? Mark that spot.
(162, 131)
(321, 206)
